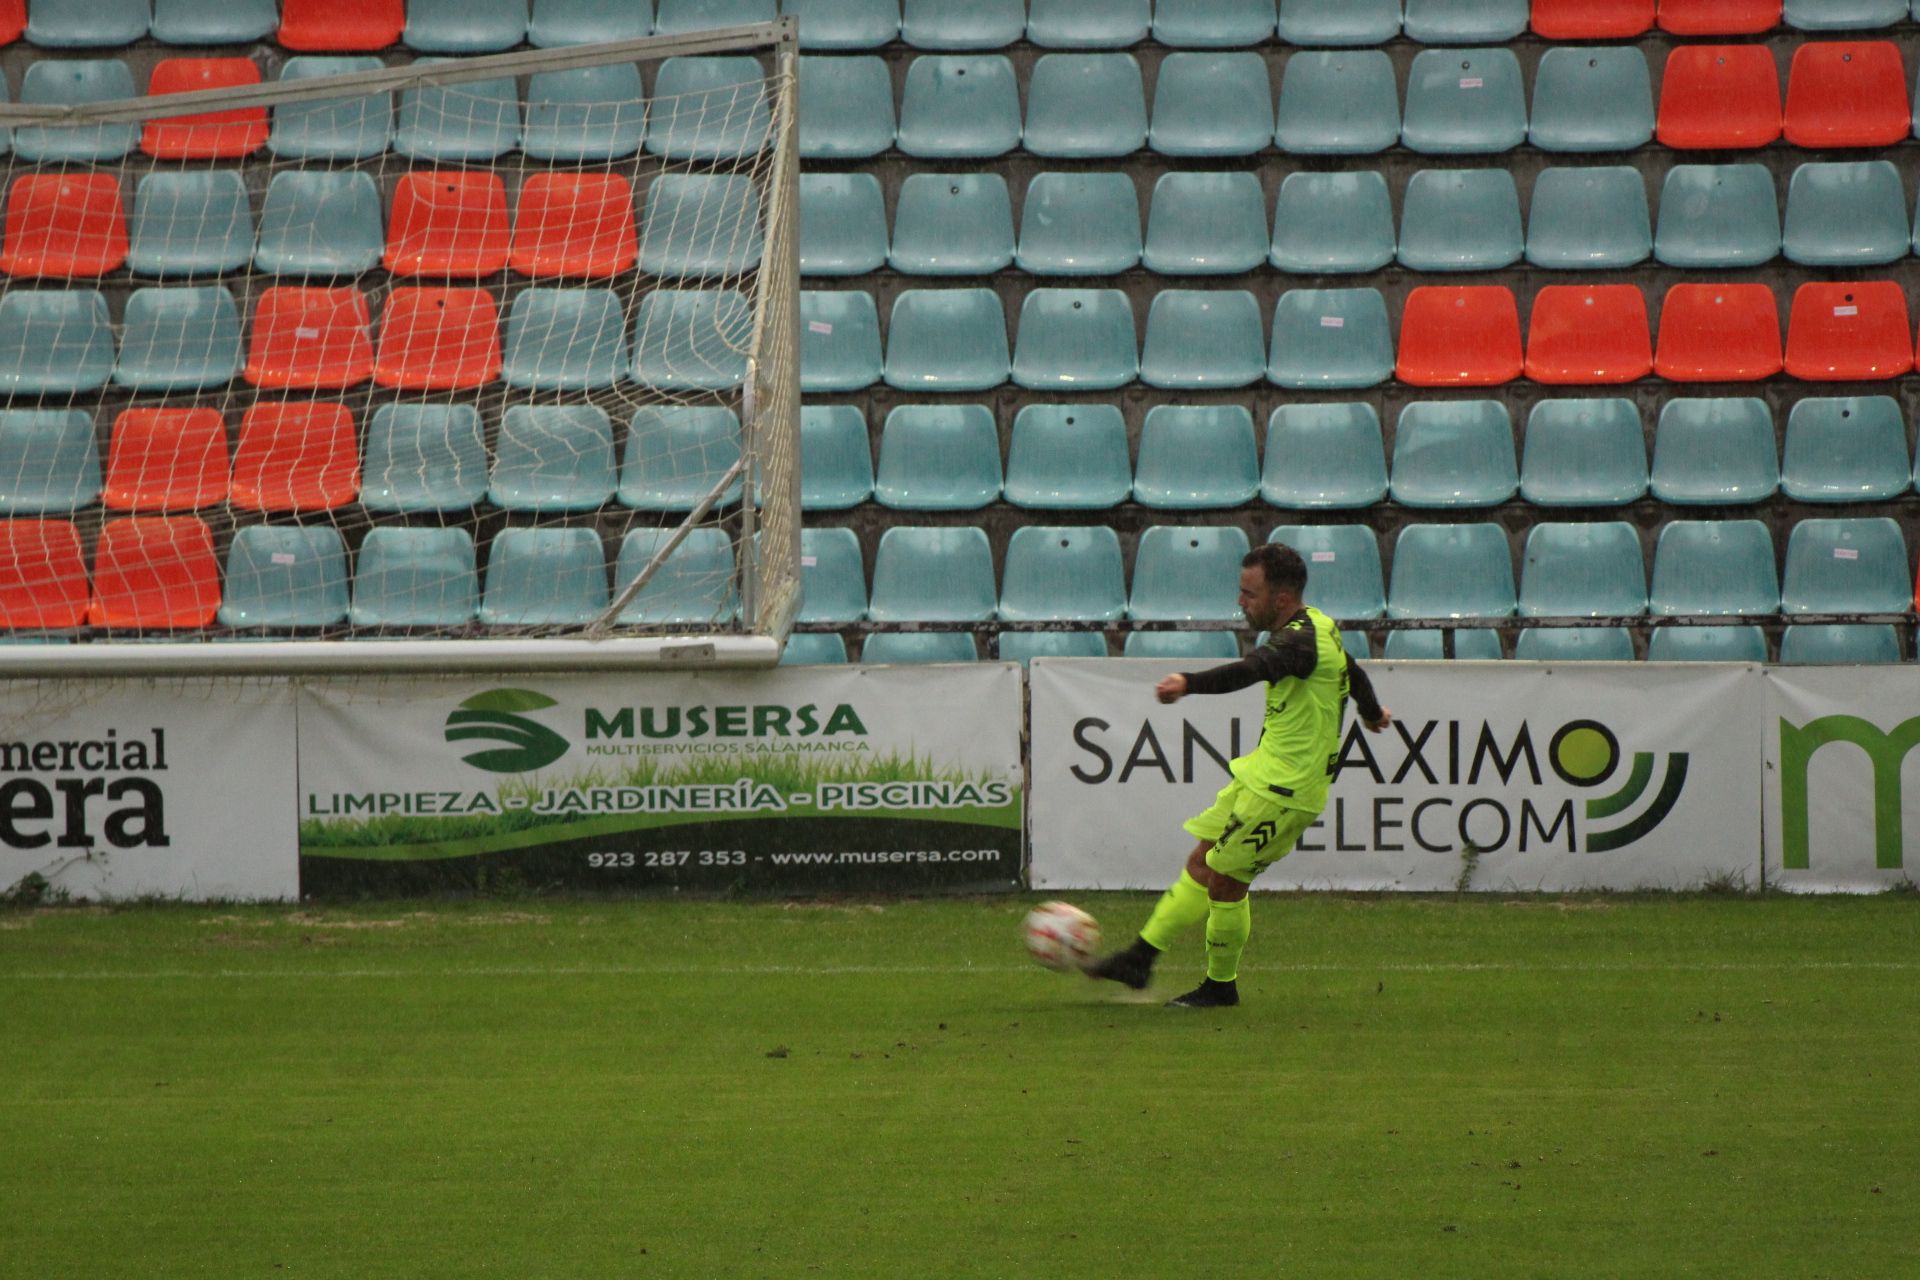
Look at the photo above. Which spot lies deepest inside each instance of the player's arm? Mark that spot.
(1365, 700)
(1290, 653)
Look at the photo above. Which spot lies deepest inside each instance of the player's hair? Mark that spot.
(1280, 564)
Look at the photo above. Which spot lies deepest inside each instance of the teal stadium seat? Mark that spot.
(1085, 106)
(959, 107)
(1068, 457)
(691, 339)
(1344, 580)
(708, 108)
(1338, 102)
(1845, 449)
(1206, 224)
(843, 224)
(1450, 571)
(193, 223)
(1464, 21)
(845, 24)
(467, 123)
(552, 457)
(839, 340)
(846, 107)
(952, 224)
(424, 457)
(1324, 456)
(694, 585)
(1088, 24)
(51, 83)
(933, 575)
(982, 24)
(178, 340)
(1714, 452)
(1588, 98)
(87, 24)
(1195, 457)
(1846, 214)
(1460, 220)
(1212, 24)
(1464, 102)
(465, 26)
(284, 576)
(700, 224)
(1207, 647)
(49, 463)
(1717, 215)
(1063, 574)
(683, 17)
(836, 460)
(1211, 104)
(1076, 339)
(1454, 453)
(813, 649)
(938, 458)
(544, 577)
(1843, 15)
(1584, 453)
(213, 21)
(1332, 223)
(1024, 646)
(898, 648)
(947, 340)
(54, 341)
(1589, 219)
(1187, 573)
(319, 222)
(584, 114)
(1573, 644)
(833, 578)
(676, 454)
(1337, 23)
(1202, 339)
(1326, 339)
(1079, 224)
(555, 23)
(565, 340)
(1707, 644)
(1469, 644)
(409, 577)
(1714, 567)
(357, 128)
(1855, 564)
(1840, 643)
(1583, 570)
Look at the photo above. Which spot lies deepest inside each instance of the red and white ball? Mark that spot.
(1061, 936)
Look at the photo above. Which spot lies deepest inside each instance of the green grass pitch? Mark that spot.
(1414, 1087)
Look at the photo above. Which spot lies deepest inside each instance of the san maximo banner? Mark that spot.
(1496, 776)
(883, 778)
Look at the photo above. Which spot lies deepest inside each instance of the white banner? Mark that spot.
(170, 788)
(1841, 768)
(1498, 776)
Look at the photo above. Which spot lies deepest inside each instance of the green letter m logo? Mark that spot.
(1886, 752)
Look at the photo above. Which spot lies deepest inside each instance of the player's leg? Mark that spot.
(1183, 905)
(1265, 834)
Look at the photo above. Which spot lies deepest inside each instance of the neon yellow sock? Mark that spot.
(1182, 906)
(1228, 925)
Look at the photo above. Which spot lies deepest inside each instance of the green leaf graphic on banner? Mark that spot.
(488, 717)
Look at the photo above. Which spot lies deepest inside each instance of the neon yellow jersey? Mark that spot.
(1300, 735)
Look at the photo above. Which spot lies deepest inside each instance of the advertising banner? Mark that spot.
(169, 788)
(1497, 776)
(1841, 769)
(795, 778)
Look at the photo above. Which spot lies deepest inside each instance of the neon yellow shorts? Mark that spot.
(1250, 831)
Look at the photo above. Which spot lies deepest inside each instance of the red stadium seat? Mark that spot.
(296, 457)
(1719, 17)
(1589, 333)
(154, 571)
(166, 460)
(1459, 336)
(213, 136)
(43, 577)
(340, 26)
(62, 225)
(1847, 93)
(438, 340)
(1719, 97)
(1591, 19)
(13, 20)
(1718, 333)
(1849, 332)
(451, 223)
(305, 337)
(574, 224)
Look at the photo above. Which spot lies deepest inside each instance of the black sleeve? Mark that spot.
(1290, 653)
(1361, 689)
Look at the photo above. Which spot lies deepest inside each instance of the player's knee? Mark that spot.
(1224, 888)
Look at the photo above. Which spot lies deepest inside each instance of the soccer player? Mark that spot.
(1277, 789)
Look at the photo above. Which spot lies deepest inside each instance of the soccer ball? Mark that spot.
(1061, 936)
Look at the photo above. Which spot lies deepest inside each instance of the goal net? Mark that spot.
(482, 361)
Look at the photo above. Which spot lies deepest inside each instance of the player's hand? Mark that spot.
(1375, 726)
(1172, 689)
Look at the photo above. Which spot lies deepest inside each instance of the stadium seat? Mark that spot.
(1187, 573)
(60, 226)
(13, 20)
(1719, 98)
(1589, 334)
(219, 135)
(544, 577)
(178, 340)
(1024, 646)
(424, 457)
(1063, 574)
(1338, 23)
(574, 225)
(701, 225)
(1856, 564)
(843, 224)
(1454, 453)
(1707, 644)
(450, 223)
(676, 454)
(1573, 644)
(295, 457)
(1469, 644)
(1844, 15)
(1459, 336)
(330, 128)
(470, 122)
(833, 578)
(317, 222)
(1589, 219)
(414, 578)
(1329, 339)
(683, 17)
(1338, 102)
(1714, 567)
(585, 114)
(284, 576)
(1202, 339)
(1079, 224)
(554, 23)
(331, 26)
(434, 339)
(1324, 456)
(937, 457)
(464, 26)
(1460, 220)
(694, 584)
(846, 108)
(193, 223)
(947, 340)
(1451, 571)
(985, 24)
(166, 460)
(1718, 17)
(1343, 568)
(1076, 339)
(1212, 24)
(956, 107)
(44, 585)
(1206, 224)
(1718, 333)
(1473, 22)
(154, 572)
(54, 342)
(691, 339)
(1195, 457)
(1717, 215)
(1332, 223)
(50, 83)
(1211, 104)
(933, 575)
(1845, 449)
(839, 340)
(895, 647)
(1716, 452)
(1068, 457)
(1846, 214)
(86, 24)
(952, 224)
(1584, 453)
(1591, 99)
(1591, 19)
(48, 462)
(1085, 105)
(565, 340)
(552, 457)
(1840, 643)
(1181, 646)
(1582, 570)
(845, 24)
(1849, 332)
(1088, 24)
(1845, 93)
(836, 460)
(1464, 102)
